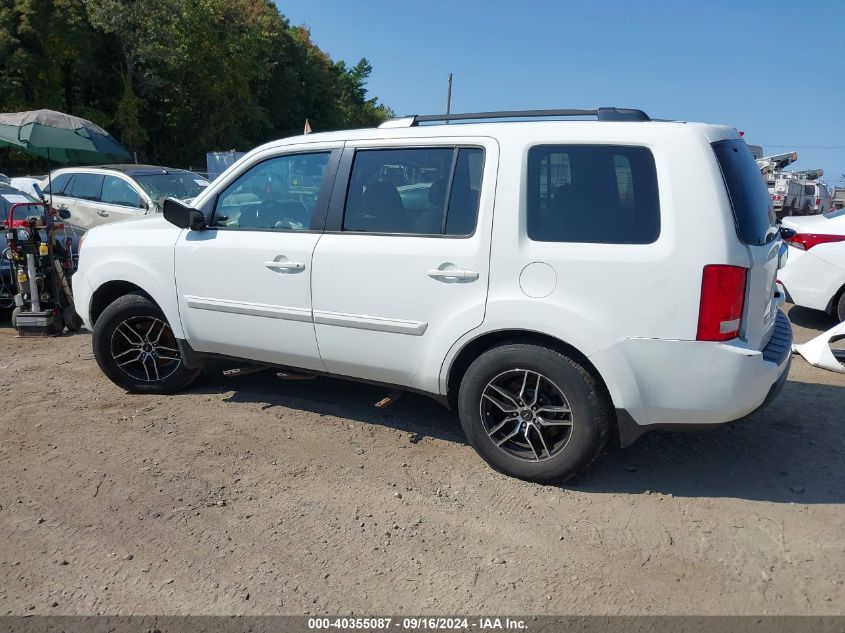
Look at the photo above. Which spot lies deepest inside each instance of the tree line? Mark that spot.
(173, 79)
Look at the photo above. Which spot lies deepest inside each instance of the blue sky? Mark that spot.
(768, 68)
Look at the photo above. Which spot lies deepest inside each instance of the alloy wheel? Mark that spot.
(526, 415)
(145, 349)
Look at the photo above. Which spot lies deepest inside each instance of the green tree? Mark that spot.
(173, 79)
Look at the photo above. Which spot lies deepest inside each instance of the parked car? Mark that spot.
(25, 184)
(626, 282)
(8, 197)
(97, 195)
(814, 276)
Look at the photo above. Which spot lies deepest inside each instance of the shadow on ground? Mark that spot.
(811, 319)
(791, 452)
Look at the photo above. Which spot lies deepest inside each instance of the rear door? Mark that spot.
(401, 271)
(81, 197)
(757, 229)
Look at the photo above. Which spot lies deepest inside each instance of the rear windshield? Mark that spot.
(28, 205)
(752, 205)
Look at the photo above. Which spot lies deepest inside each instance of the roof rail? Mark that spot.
(601, 114)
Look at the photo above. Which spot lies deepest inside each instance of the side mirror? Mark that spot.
(786, 233)
(184, 217)
(64, 214)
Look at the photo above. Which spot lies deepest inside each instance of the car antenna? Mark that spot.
(160, 166)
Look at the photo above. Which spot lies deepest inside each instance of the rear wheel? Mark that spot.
(840, 308)
(135, 347)
(533, 413)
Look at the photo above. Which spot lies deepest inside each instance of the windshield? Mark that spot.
(175, 184)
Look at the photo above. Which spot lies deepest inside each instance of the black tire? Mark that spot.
(590, 414)
(160, 371)
(840, 308)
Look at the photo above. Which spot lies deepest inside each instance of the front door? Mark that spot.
(244, 283)
(401, 272)
(119, 201)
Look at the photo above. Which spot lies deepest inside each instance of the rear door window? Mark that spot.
(602, 194)
(414, 191)
(752, 206)
(58, 184)
(86, 187)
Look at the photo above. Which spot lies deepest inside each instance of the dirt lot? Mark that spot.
(257, 495)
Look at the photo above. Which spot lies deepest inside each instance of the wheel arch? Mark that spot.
(475, 347)
(833, 306)
(110, 292)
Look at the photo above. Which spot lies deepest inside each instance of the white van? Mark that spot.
(557, 281)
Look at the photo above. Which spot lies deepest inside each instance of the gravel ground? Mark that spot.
(256, 495)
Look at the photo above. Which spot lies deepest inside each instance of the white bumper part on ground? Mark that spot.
(817, 351)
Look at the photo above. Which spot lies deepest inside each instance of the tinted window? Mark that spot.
(466, 187)
(592, 193)
(118, 191)
(59, 183)
(86, 187)
(752, 205)
(405, 191)
(279, 193)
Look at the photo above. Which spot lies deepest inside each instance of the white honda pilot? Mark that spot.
(558, 281)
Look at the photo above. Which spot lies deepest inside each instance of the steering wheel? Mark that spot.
(271, 214)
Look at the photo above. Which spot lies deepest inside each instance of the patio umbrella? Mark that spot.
(59, 137)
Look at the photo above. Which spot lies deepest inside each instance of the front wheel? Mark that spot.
(533, 413)
(136, 349)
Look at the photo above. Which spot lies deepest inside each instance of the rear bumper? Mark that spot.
(658, 384)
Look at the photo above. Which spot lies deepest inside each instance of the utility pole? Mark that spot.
(449, 98)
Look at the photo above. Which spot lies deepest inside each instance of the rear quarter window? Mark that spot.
(754, 215)
(601, 194)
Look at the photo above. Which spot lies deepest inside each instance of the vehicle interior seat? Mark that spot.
(429, 221)
(378, 208)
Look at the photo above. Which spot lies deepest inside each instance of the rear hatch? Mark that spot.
(756, 228)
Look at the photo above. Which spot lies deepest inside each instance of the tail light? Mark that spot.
(722, 300)
(776, 196)
(806, 241)
(818, 201)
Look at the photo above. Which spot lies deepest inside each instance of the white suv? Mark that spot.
(558, 282)
(98, 195)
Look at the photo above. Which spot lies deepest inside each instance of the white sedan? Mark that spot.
(814, 275)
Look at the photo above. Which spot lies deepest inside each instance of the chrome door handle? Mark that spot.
(459, 273)
(102, 214)
(293, 267)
